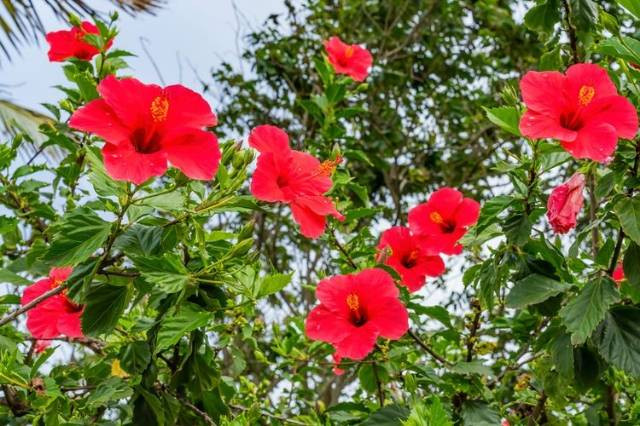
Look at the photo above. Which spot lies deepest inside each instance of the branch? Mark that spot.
(345, 253)
(31, 304)
(379, 385)
(571, 32)
(475, 325)
(427, 348)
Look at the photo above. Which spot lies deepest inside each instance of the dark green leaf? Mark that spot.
(105, 304)
(391, 415)
(507, 118)
(631, 265)
(618, 338)
(135, 357)
(188, 318)
(533, 289)
(584, 312)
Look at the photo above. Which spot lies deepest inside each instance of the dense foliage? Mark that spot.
(278, 276)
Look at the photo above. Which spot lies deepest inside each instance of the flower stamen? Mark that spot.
(159, 109)
(436, 218)
(586, 94)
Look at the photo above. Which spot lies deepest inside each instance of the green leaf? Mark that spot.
(584, 312)
(628, 212)
(7, 276)
(562, 354)
(273, 284)
(166, 272)
(472, 367)
(433, 414)
(534, 289)
(507, 118)
(517, 228)
(391, 415)
(111, 389)
(632, 6)
(140, 240)
(618, 338)
(631, 265)
(77, 236)
(543, 17)
(103, 184)
(584, 14)
(187, 319)
(105, 304)
(172, 201)
(135, 357)
(479, 413)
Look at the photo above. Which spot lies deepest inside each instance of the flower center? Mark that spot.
(571, 120)
(327, 167)
(410, 260)
(282, 181)
(159, 109)
(446, 226)
(348, 52)
(586, 94)
(357, 317)
(145, 142)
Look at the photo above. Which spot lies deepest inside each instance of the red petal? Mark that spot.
(445, 201)
(59, 275)
(187, 109)
(616, 111)
(124, 163)
(325, 325)
(267, 138)
(309, 212)
(359, 343)
(130, 100)
(69, 324)
(538, 126)
(195, 153)
(467, 213)
(595, 141)
(61, 45)
(374, 284)
(390, 317)
(332, 292)
(264, 182)
(591, 75)
(37, 289)
(544, 92)
(97, 117)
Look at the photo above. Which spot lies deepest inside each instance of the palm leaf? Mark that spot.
(20, 19)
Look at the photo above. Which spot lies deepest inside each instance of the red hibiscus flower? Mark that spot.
(71, 43)
(582, 109)
(401, 251)
(618, 274)
(443, 220)
(288, 176)
(56, 316)
(354, 310)
(564, 204)
(144, 126)
(349, 59)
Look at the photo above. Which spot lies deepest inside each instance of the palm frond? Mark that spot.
(16, 119)
(20, 19)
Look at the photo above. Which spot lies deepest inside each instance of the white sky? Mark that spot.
(200, 32)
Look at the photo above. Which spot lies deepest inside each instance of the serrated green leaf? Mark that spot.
(273, 284)
(135, 356)
(77, 236)
(104, 305)
(584, 312)
(188, 318)
(628, 212)
(507, 118)
(618, 338)
(534, 289)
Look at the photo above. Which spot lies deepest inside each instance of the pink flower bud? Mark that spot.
(565, 203)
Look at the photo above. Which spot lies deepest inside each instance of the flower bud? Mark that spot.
(564, 204)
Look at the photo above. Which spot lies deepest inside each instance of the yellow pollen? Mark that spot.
(413, 255)
(348, 52)
(586, 94)
(436, 218)
(353, 302)
(159, 109)
(327, 167)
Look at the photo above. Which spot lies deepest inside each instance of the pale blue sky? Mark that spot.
(199, 32)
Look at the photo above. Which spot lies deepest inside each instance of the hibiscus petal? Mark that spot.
(98, 118)
(264, 183)
(130, 100)
(359, 343)
(467, 213)
(374, 284)
(42, 321)
(419, 221)
(267, 138)
(390, 317)
(69, 324)
(589, 75)
(544, 92)
(195, 153)
(537, 126)
(188, 109)
(122, 162)
(332, 292)
(596, 141)
(305, 177)
(323, 324)
(37, 289)
(616, 111)
(310, 212)
(446, 201)
(61, 45)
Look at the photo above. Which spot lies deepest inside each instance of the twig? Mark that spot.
(31, 304)
(379, 385)
(427, 348)
(343, 250)
(611, 405)
(475, 325)
(538, 410)
(595, 237)
(571, 32)
(208, 420)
